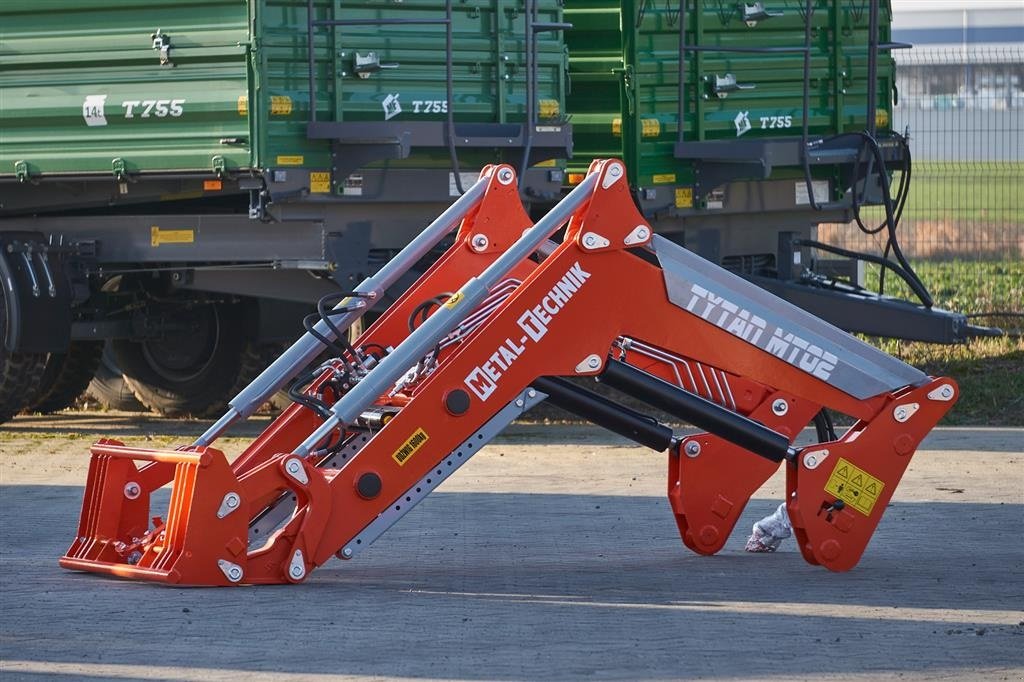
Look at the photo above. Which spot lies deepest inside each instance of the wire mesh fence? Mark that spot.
(963, 224)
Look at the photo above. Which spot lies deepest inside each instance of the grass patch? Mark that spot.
(977, 192)
(990, 371)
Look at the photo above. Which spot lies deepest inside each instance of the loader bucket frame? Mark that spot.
(515, 315)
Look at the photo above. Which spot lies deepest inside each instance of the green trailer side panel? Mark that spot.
(82, 89)
(625, 77)
(488, 60)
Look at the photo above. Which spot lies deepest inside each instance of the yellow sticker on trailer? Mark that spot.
(664, 179)
(319, 183)
(684, 197)
(412, 444)
(280, 105)
(158, 236)
(854, 486)
(290, 160)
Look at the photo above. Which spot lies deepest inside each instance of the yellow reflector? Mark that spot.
(280, 105)
(549, 108)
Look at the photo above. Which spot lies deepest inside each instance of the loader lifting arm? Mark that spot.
(492, 329)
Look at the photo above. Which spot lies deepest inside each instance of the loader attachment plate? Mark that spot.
(500, 322)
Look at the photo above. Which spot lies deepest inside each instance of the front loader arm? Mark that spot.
(615, 303)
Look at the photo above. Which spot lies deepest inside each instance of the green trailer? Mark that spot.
(180, 180)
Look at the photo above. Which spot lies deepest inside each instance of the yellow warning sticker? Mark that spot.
(243, 105)
(664, 179)
(280, 105)
(412, 444)
(320, 183)
(617, 127)
(549, 108)
(650, 127)
(158, 236)
(454, 300)
(854, 486)
(290, 160)
(684, 197)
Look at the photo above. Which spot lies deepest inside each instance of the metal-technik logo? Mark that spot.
(483, 379)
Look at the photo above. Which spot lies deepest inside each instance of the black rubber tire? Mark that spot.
(20, 373)
(194, 373)
(108, 387)
(66, 376)
(258, 358)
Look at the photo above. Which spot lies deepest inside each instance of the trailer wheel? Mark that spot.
(20, 373)
(192, 372)
(65, 376)
(108, 386)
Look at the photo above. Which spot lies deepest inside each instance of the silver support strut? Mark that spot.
(447, 317)
(456, 458)
(307, 347)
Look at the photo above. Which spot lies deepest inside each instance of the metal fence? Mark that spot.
(963, 110)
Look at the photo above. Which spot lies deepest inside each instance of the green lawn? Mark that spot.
(984, 191)
(990, 370)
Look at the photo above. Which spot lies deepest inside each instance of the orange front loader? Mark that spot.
(492, 329)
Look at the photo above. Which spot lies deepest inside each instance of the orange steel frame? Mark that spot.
(618, 294)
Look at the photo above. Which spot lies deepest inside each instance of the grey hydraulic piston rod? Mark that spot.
(307, 347)
(437, 326)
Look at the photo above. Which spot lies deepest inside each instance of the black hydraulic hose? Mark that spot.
(450, 94)
(806, 128)
(890, 212)
(872, 67)
(839, 251)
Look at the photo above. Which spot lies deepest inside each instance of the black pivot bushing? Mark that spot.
(456, 402)
(369, 485)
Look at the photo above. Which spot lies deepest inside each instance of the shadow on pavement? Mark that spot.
(528, 586)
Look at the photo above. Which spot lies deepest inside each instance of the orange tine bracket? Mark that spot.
(203, 541)
(838, 492)
(710, 479)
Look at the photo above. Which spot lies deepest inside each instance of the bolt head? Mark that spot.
(520, 403)
(294, 467)
(589, 240)
(780, 407)
(692, 448)
(901, 414)
(946, 392)
(132, 490)
(235, 573)
(531, 393)
(232, 501)
(810, 461)
(479, 242)
(641, 233)
(297, 571)
(505, 175)
(347, 552)
(615, 171)
(594, 363)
